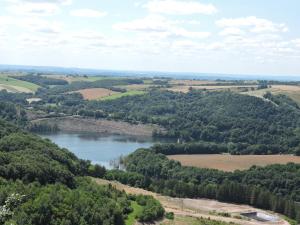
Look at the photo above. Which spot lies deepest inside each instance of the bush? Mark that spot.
(170, 215)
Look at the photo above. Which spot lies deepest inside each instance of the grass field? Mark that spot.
(120, 95)
(137, 209)
(14, 85)
(233, 162)
(290, 90)
(96, 93)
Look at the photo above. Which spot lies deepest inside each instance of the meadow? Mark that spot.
(120, 95)
(14, 85)
(233, 162)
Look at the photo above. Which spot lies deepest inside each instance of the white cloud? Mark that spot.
(232, 31)
(31, 24)
(36, 9)
(177, 7)
(87, 13)
(88, 35)
(296, 42)
(255, 24)
(150, 23)
(159, 25)
(62, 2)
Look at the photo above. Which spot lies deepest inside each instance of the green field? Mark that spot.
(15, 85)
(137, 209)
(120, 95)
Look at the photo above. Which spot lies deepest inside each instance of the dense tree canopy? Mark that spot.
(252, 124)
(41, 80)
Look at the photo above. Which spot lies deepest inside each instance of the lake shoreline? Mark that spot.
(100, 126)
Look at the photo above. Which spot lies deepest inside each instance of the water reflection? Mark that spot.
(100, 149)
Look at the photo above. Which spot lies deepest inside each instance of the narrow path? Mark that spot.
(197, 207)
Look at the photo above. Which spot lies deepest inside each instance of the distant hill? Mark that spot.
(126, 73)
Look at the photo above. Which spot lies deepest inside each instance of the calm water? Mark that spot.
(97, 148)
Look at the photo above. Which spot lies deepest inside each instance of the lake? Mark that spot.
(98, 148)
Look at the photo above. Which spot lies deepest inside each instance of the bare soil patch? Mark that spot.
(78, 124)
(233, 162)
(96, 93)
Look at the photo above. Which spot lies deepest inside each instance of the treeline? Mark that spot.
(253, 125)
(17, 98)
(42, 127)
(273, 187)
(190, 148)
(41, 80)
(12, 113)
(217, 148)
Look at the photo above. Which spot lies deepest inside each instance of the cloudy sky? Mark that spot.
(215, 36)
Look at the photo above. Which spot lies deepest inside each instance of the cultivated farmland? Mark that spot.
(96, 93)
(233, 162)
(14, 85)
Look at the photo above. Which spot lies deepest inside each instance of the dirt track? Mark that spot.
(197, 207)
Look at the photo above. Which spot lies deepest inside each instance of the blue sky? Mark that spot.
(213, 36)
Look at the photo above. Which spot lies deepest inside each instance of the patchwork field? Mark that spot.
(71, 79)
(14, 85)
(192, 82)
(120, 95)
(185, 89)
(96, 93)
(233, 162)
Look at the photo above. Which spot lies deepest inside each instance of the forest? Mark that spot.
(248, 124)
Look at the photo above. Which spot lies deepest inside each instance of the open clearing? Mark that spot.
(101, 126)
(233, 162)
(120, 95)
(185, 208)
(96, 93)
(14, 85)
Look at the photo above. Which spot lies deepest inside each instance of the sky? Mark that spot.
(205, 36)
